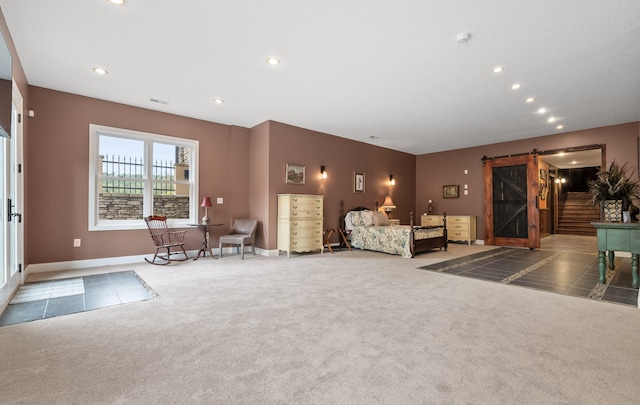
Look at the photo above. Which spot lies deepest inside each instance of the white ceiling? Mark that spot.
(574, 160)
(358, 69)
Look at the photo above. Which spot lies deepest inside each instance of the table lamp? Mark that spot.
(388, 205)
(206, 203)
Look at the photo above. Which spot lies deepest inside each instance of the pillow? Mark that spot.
(356, 218)
(348, 221)
(380, 219)
(367, 218)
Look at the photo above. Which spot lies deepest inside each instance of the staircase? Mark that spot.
(575, 214)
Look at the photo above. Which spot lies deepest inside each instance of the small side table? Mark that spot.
(620, 236)
(205, 240)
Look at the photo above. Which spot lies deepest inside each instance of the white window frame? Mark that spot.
(95, 224)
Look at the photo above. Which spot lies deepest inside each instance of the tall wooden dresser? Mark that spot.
(300, 221)
(459, 227)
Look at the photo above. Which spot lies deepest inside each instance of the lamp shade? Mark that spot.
(206, 202)
(388, 204)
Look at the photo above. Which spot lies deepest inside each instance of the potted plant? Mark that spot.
(613, 190)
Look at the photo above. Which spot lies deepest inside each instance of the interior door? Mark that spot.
(11, 240)
(511, 201)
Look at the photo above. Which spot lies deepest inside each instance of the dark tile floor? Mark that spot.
(560, 272)
(100, 290)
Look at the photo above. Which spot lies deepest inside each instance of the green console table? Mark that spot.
(623, 237)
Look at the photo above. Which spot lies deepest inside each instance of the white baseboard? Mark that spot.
(110, 261)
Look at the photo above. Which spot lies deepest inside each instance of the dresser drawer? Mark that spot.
(305, 224)
(458, 228)
(306, 214)
(430, 220)
(306, 244)
(305, 233)
(457, 235)
(306, 199)
(453, 219)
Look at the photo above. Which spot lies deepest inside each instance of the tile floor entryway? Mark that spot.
(564, 264)
(46, 299)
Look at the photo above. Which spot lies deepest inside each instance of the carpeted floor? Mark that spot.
(345, 328)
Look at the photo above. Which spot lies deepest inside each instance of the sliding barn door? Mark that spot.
(511, 201)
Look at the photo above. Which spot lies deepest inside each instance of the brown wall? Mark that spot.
(243, 166)
(259, 181)
(437, 169)
(58, 159)
(342, 157)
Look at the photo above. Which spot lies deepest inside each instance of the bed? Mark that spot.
(370, 230)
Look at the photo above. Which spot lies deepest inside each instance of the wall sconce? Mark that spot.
(323, 171)
(392, 180)
(206, 203)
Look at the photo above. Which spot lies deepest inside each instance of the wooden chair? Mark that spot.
(163, 238)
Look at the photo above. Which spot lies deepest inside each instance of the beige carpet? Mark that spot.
(348, 328)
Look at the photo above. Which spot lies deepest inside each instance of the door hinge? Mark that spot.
(19, 118)
(20, 268)
(19, 167)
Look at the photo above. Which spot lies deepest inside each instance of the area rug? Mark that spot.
(48, 289)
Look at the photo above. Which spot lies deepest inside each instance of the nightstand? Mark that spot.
(394, 222)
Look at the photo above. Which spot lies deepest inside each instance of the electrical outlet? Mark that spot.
(219, 200)
(76, 243)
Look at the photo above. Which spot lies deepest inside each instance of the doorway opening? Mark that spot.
(568, 209)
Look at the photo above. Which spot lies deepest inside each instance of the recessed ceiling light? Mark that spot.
(542, 110)
(560, 127)
(273, 61)
(574, 162)
(497, 69)
(218, 101)
(118, 2)
(100, 71)
(551, 119)
(515, 86)
(530, 100)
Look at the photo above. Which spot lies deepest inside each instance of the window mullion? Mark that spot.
(147, 203)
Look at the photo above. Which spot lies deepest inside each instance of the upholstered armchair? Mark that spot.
(243, 233)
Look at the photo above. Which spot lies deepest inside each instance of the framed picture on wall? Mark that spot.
(358, 182)
(294, 174)
(451, 191)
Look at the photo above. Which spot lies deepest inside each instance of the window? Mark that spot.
(135, 174)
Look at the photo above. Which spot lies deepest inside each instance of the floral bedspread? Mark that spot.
(395, 240)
